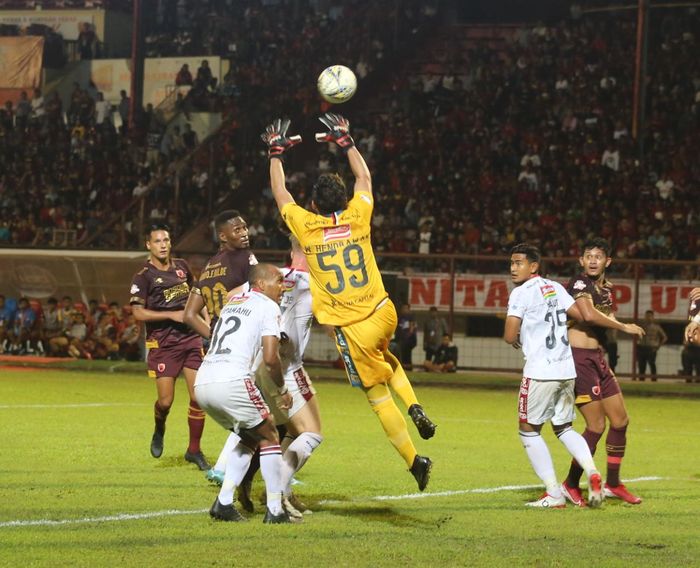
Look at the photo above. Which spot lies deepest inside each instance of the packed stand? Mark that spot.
(532, 143)
(69, 329)
(481, 148)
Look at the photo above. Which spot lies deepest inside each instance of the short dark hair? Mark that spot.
(532, 253)
(261, 271)
(329, 194)
(156, 227)
(599, 243)
(224, 217)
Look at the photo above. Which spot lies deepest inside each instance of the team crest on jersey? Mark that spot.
(134, 289)
(579, 285)
(548, 292)
(180, 273)
(336, 233)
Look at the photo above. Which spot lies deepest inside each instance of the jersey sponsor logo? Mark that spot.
(579, 285)
(180, 273)
(159, 280)
(548, 291)
(522, 399)
(338, 233)
(134, 289)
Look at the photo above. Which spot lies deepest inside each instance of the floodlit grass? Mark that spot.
(76, 450)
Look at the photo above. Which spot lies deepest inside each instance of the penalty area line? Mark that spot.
(176, 512)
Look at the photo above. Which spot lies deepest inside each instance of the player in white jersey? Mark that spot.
(536, 320)
(247, 324)
(302, 419)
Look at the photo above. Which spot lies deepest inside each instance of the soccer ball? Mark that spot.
(337, 84)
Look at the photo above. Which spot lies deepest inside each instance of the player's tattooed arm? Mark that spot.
(144, 314)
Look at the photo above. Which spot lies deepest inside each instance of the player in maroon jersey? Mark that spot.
(158, 293)
(598, 394)
(226, 270)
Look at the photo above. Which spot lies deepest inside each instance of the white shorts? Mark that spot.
(544, 401)
(299, 385)
(236, 405)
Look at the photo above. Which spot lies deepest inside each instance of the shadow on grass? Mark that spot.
(379, 514)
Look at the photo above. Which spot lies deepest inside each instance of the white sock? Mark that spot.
(541, 460)
(230, 443)
(236, 467)
(578, 448)
(271, 469)
(296, 455)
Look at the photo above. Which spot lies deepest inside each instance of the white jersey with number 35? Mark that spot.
(237, 338)
(541, 304)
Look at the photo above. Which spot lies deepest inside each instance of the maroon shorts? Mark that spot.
(594, 379)
(169, 361)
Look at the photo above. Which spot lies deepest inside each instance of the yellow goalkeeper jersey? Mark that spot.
(346, 286)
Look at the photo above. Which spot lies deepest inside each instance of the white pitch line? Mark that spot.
(76, 405)
(478, 490)
(175, 512)
(111, 518)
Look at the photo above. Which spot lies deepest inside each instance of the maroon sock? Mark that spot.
(160, 415)
(195, 420)
(615, 445)
(576, 471)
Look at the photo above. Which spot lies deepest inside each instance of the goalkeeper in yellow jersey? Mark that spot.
(346, 286)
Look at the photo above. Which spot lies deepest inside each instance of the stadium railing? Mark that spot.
(469, 291)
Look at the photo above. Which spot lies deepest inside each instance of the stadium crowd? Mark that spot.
(69, 329)
(474, 147)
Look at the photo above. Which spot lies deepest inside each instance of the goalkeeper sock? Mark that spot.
(392, 421)
(399, 381)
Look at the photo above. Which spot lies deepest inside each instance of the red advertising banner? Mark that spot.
(488, 294)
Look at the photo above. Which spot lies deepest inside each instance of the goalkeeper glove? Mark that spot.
(338, 131)
(275, 136)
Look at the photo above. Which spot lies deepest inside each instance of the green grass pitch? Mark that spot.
(79, 487)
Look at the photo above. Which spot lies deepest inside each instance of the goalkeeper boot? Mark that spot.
(228, 513)
(425, 426)
(157, 444)
(421, 471)
(198, 459)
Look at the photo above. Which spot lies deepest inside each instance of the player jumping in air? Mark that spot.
(537, 310)
(598, 394)
(346, 286)
(159, 292)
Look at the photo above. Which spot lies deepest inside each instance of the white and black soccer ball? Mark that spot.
(337, 84)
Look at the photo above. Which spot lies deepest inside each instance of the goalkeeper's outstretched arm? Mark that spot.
(363, 179)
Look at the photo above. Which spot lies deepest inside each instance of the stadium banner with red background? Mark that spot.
(20, 65)
(488, 294)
